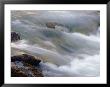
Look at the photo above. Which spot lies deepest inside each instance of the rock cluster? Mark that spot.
(24, 65)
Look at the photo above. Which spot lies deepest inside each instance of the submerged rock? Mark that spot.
(15, 36)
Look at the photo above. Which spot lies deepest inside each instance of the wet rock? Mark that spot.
(15, 72)
(51, 24)
(15, 36)
(27, 59)
(26, 70)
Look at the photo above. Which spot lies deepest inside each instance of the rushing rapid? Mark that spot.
(69, 41)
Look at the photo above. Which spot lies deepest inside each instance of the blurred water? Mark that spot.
(71, 49)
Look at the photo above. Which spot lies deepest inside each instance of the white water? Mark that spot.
(68, 53)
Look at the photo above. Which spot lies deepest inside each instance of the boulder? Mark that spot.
(15, 36)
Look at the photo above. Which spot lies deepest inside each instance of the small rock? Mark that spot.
(51, 24)
(14, 36)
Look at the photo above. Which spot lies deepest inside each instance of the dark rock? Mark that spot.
(27, 59)
(51, 24)
(17, 73)
(15, 36)
(26, 70)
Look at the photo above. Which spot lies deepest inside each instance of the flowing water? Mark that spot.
(71, 48)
